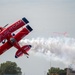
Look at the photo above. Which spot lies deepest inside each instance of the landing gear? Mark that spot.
(12, 40)
(3, 41)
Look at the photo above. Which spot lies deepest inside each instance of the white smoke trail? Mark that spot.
(58, 47)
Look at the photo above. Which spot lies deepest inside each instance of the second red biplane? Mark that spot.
(13, 39)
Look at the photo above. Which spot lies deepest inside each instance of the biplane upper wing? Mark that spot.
(7, 31)
(17, 37)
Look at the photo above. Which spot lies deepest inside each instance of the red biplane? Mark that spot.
(13, 39)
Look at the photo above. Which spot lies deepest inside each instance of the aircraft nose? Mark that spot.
(16, 56)
(30, 46)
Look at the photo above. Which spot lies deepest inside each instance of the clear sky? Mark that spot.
(46, 17)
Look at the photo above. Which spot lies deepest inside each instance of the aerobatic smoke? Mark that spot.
(62, 48)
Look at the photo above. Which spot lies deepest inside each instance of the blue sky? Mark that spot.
(46, 17)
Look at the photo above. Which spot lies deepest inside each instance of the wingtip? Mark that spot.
(30, 46)
(29, 28)
(25, 20)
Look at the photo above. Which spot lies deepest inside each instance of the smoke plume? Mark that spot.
(62, 48)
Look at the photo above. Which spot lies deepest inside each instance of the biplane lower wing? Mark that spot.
(17, 37)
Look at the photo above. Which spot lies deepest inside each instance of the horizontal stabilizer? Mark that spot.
(22, 51)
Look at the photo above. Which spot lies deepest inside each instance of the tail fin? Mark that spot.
(22, 51)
